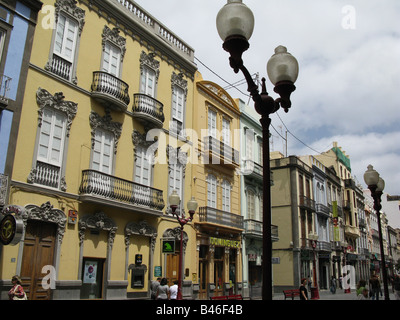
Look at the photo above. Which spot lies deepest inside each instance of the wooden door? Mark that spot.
(203, 279)
(38, 252)
(172, 268)
(219, 278)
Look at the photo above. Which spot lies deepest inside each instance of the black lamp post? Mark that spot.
(174, 201)
(235, 24)
(376, 185)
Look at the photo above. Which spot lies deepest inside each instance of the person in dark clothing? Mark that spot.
(303, 290)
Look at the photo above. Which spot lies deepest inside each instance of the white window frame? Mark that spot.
(104, 151)
(65, 37)
(143, 163)
(50, 116)
(178, 108)
(212, 123)
(114, 56)
(226, 131)
(175, 179)
(226, 196)
(148, 75)
(211, 191)
(251, 204)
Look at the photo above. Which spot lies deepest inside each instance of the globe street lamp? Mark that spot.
(174, 201)
(235, 24)
(376, 185)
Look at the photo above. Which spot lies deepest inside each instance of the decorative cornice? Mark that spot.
(176, 234)
(45, 99)
(46, 213)
(96, 121)
(149, 61)
(98, 222)
(142, 229)
(112, 35)
(70, 7)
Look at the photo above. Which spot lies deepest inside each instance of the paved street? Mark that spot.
(339, 295)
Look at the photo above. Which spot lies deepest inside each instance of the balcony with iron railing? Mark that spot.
(110, 90)
(254, 228)
(224, 218)
(306, 203)
(107, 189)
(148, 110)
(322, 209)
(220, 152)
(252, 170)
(60, 67)
(47, 175)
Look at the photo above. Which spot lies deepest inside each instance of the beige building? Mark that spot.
(216, 185)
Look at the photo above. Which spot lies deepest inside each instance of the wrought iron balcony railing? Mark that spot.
(111, 90)
(307, 203)
(103, 185)
(148, 110)
(212, 215)
(255, 227)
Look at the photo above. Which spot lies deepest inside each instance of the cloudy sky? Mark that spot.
(349, 81)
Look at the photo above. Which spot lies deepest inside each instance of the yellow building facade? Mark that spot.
(216, 185)
(108, 91)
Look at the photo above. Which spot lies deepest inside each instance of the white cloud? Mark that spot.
(347, 89)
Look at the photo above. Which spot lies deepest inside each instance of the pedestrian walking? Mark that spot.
(375, 287)
(16, 292)
(363, 294)
(303, 290)
(153, 287)
(362, 284)
(396, 287)
(333, 285)
(173, 290)
(163, 290)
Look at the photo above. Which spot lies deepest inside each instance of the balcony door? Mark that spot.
(102, 160)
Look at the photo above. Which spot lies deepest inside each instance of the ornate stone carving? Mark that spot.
(45, 99)
(149, 61)
(70, 7)
(112, 35)
(177, 80)
(142, 229)
(96, 121)
(98, 222)
(46, 213)
(176, 234)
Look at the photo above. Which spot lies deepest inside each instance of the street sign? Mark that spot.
(168, 246)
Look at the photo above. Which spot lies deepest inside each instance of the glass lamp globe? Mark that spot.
(192, 204)
(371, 177)
(380, 185)
(174, 199)
(235, 19)
(282, 66)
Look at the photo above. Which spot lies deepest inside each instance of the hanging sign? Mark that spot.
(11, 230)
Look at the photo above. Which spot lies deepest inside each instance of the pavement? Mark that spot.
(339, 295)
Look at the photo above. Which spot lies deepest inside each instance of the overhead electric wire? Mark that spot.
(233, 85)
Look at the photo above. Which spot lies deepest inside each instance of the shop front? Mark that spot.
(220, 265)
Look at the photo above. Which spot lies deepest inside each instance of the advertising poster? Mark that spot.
(90, 272)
